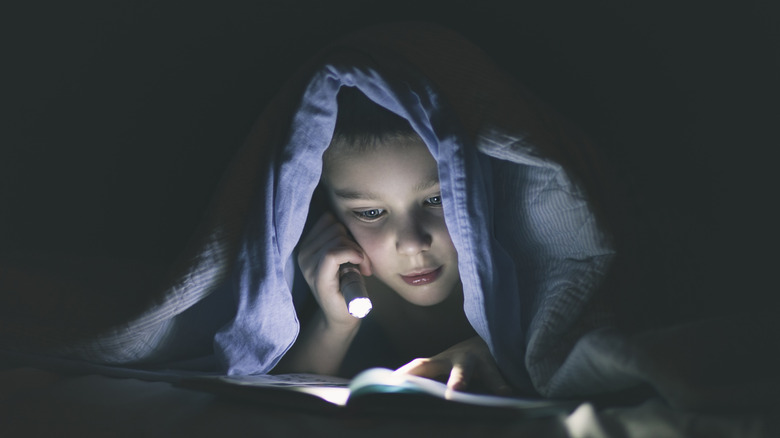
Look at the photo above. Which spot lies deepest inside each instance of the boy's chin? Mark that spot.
(425, 296)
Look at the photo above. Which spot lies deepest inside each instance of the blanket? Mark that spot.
(524, 202)
(531, 252)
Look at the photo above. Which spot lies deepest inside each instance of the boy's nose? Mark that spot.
(412, 240)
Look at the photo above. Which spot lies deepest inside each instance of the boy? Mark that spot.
(386, 216)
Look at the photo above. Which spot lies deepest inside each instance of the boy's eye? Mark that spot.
(369, 215)
(434, 200)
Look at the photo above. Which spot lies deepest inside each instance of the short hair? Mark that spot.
(362, 125)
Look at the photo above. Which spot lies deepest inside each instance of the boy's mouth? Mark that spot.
(422, 277)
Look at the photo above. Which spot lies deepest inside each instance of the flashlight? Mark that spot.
(353, 287)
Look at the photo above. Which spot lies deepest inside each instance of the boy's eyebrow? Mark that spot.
(354, 194)
(427, 184)
(351, 194)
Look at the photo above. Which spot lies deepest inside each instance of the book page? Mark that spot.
(381, 380)
(287, 380)
(331, 389)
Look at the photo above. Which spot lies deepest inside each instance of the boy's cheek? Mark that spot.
(366, 240)
(370, 242)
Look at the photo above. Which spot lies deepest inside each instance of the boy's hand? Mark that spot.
(321, 253)
(462, 362)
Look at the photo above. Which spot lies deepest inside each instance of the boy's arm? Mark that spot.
(325, 339)
(320, 348)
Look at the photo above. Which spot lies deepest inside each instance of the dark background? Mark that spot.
(120, 117)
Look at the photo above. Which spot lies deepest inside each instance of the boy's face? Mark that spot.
(389, 199)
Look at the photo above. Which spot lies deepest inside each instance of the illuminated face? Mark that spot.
(389, 199)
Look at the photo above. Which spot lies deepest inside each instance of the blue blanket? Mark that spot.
(531, 253)
(522, 202)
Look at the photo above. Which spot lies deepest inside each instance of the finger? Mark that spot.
(326, 243)
(492, 378)
(365, 266)
(333, 235)
(340, 251)
(461, 373)
(318, 236)
(425, 368)
(323, 279)
(315, 231)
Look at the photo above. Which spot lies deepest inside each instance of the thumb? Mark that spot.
(365, 266)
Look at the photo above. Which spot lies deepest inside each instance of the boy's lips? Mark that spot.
(421, 277)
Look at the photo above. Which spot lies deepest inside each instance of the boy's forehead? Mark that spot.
(391, 152)
(382, 167)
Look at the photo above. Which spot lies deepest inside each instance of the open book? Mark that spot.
(373, 390)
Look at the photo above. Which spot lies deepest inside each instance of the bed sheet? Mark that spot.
(39, 403)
